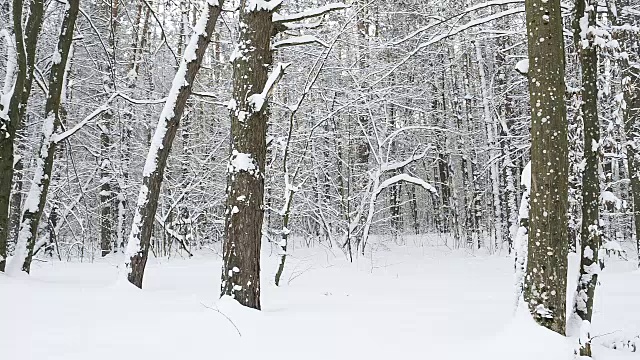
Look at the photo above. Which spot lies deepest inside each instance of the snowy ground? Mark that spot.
(415, 301)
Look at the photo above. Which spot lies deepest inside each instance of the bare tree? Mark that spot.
(37, 196)
(629, 61)
(13, 107)
(249, 109)
(137, 249)
(584, 27)
(545, 282)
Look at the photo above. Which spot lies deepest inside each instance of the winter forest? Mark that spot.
(305, 178)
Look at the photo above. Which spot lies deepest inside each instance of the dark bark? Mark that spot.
(590, 230)
(106, 191)
(106, 223)
(144, 218)
(16, 192)
(25, 40)
(44, 164)
(545, 282)
(244, 206)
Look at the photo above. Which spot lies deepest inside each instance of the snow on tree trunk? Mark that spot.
(492, 130)
(106, 224)
(545, 282)
(627, 34)
(522, 234)
(137, 249)
(249, 110)
(106, 168)
(13, 102)
(584, 35)
(37, 195)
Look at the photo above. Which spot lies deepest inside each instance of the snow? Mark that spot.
(32, 202)
(241, 162)
(298, 40)
(10, 72)
(525, 178)
(610, 198)
(179, 81)
(522, 66)
(133, 245)
(262, 5)
(258, 101)
(408, 178)
(56, 58)
(399, 302)
(452, 32)
(613, 246)
(308, 13)
(588, 253)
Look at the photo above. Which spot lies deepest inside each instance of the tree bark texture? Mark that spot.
(545, 282)
(244, 206)
(36, 199)
(590, 229)
(144, 217)
(630, 65)
(25, 41)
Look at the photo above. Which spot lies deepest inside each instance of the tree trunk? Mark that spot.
(249, 115)
(36, 199)
(545, 283)
(106, 223)
(521, 236)
(106, 173)
(11, 118)
(630, 64)
(137, 249)
(590, 230)
(16, 192)
(492, 142)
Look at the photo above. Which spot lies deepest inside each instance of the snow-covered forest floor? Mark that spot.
(419, 300)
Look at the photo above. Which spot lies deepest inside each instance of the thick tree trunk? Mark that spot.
(545, 282)
(249, 115)
(36, 199)
(590, 230)
(137, 249)
(11, 118)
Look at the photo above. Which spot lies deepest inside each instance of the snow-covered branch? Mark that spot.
(263, 5)
(400, 164)
(407, 178)
(455, 31)
(298, 40)
(307, 14)
(57, 138)
(258, 101)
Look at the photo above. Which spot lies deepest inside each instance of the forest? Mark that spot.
(288, 178)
